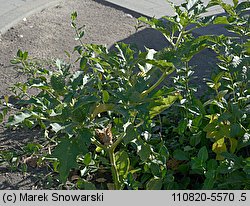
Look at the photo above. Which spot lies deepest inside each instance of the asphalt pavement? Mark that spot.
(158, 8)
(13, 11)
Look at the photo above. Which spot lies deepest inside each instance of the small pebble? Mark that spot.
(129, 16)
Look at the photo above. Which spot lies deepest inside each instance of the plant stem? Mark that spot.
(156, 84)
(111, 152)
(98, 144)
(178, 41)
(114, 171)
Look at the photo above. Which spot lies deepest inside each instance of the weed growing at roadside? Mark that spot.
(114, 117)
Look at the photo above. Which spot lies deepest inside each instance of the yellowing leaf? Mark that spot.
(122, 163)
(218, 147)
(161, 104)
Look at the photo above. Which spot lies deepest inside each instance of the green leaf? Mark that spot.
(154, 184)
(83, 140)
(66, 152)
(56, 127)
(73, 16)
(102, 108)
(243, 6)
(233, 144)
(143, 151)
(208, 184)
(19, 53)
(161, 104)
(195, 139)
(83, 63)
(85, 185)
(57, 82)
(203, 154)
(182, 126)
(163, 65)
(212, 164)
(181, 155)
(1, 117)
(236, 130)
(122, 163)
(155, 169)
(221, 20)
(18, 119)
(150, 55)
(130, 135)
(87, 159)
(105, 96)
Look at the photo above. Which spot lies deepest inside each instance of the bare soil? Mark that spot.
(46, 35)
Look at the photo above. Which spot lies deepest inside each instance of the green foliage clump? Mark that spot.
(115, 115)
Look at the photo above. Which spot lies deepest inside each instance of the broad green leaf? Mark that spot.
(122, 163)
(32, 148)
(203, 154)
(66, 152)
(18, 119)
(163, 65)
(130, 135)
(143, 151)
(154, 184)
(19, 53)
(217, 130)
(161, 104)
(150, 55)
(155, 169)
(83, 140)
(180, 155)
(58, 83)
(236, 130)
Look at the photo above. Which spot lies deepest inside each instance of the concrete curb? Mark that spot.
(12, 17)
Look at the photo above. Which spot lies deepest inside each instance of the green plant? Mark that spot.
(118, 115)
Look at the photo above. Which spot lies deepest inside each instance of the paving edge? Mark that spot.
(23, 12)
(132, 12)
